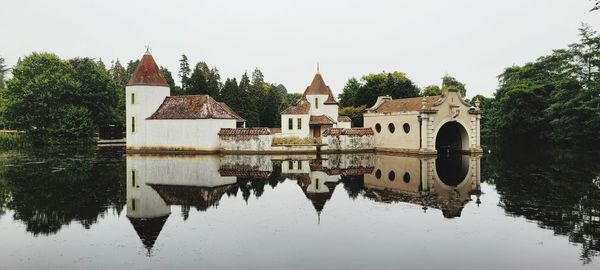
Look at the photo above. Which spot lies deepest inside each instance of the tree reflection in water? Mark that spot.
(47, 189)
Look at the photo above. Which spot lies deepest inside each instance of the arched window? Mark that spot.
(406, 177)
(378, 174)
(378, 128)
(392, 176)
(406, 128)
(391, 128)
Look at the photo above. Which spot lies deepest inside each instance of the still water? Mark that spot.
(101, 209)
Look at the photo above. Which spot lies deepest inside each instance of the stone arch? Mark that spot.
(451, 135)
(453, 175)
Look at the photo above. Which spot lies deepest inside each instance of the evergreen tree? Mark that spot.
(175, 90)
(3, 70)
(118, 75)
(184, 72)
(231, 94)
(197, 84)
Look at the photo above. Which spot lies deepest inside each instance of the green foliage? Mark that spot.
(355, 113)
(431, 90)
(366, 91)
(58, 101)
(555, 99)
(184, 72)
(3, 70)
(13, 140)
(449, 82)
(175, 90)
(290, 99)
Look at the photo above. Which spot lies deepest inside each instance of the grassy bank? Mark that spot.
(10, 139)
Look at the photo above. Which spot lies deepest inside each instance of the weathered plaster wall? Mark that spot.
(385, 139)
(348, 142)
(246, 142)
(146, 99)
(303, 132)
(344, 124)
(184, 134)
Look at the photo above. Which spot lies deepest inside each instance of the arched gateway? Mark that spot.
(425, 125)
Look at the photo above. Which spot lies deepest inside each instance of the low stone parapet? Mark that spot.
(348, 139)
(245, 139)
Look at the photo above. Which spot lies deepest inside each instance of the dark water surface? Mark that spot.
(100, 209)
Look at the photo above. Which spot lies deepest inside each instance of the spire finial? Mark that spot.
(318, 68)
(148, 49)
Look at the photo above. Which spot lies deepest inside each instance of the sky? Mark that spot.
(472, 40)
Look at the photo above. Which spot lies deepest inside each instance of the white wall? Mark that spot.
(147, 100)
(148, 203)
(184, 134)
(344, 124)
(246, 142)
(399, 139)
(304, 132)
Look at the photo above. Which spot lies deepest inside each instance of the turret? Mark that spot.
(145, 91)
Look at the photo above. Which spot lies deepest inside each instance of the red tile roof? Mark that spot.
(275, 130)
(348, 131)
(194, 107)
(244, 131)
(321, 120)
(302, 107)
(406, 104)
(318, 87)
(343, 118)
(147, 73)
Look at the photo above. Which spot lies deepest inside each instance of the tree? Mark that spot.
(175, 90)
(3, 70)
(97, 93)
(431, 90)
(270, 110)
(349, 92)
(248, 110)
(41, 88)
(451, 82)
(118, 75)
(394, 84)
(355, 113)
(197, 84)
(231, 94)
(290, 99)
(184, 72)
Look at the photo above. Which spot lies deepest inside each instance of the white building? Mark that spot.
(316, 111)
(157, 121)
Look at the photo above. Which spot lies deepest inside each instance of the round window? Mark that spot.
(391, 127)
(378, 174)
(406, 128)
(378, 128)
(392, 176)
(406, 177)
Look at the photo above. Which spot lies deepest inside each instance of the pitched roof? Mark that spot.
(244, 131)
(302, 107)
(147, 73)
(348, 131)
(343, 118)
(406, 104)
(148, 229)
(318, 87)
(194, 107)
(321, 120)
(200, 197)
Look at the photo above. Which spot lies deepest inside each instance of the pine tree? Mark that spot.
(184, 72)
(197, 84)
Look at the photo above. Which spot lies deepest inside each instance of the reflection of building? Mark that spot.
(425, 125)
(155, 183)
(319, 178)
(442, 183)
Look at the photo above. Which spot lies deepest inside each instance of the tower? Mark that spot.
(145, 91)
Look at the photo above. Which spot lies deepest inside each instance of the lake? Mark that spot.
(101, 209)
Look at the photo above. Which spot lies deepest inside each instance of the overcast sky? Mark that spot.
(473, 40)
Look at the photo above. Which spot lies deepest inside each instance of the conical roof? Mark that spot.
(318, 87)
(147, 73)
(148, 229)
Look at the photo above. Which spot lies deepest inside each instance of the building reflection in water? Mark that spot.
(154, 183)
(445, 182)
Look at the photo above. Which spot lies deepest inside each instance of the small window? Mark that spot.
(299, 123)
(300, 165)
(132, 98)
(132, 204)
(316, 103)
(378, 174)
(290, 123)
(133, 178)
(392, 176)
(378, 128)
(290, 165)
(391, 128)
(406, 177)
(132, 124)
(406, 128)
(317, 183)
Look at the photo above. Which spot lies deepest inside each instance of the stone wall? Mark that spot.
(245, 139)
(348, 139)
